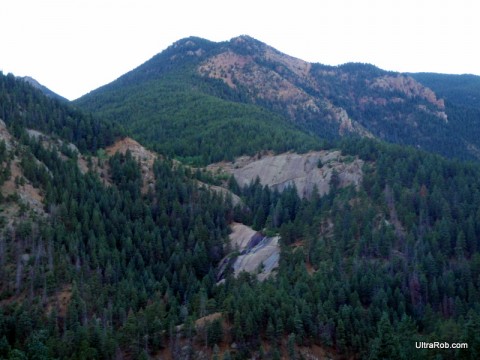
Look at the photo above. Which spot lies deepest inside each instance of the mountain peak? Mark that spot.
(189, 47)
(247, 45)
(191, 42)
(31, 81)
(245, 39)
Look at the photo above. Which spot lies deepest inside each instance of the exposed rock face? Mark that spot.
(48, 141)
(223, 65)
(258, 254)
(409, 87)
(412, 89)
(261, 259)
(305, 171)
(243, 70)
(138, 151)
(309, 93)
(146, 158)
(283, 83)
(241, 236)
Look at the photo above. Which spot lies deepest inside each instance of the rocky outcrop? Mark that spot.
(240, 236)
(307, 92)
(304, 171)
(285, 82)
(262, 82)
(49, 142)
(251, 252)
(408, 86)
(146, 158)
(260, 259)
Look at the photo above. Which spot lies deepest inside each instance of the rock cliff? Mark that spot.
(304, 171)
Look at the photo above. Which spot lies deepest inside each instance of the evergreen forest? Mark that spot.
(108, 268)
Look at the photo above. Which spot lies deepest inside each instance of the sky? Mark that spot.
(75, 46)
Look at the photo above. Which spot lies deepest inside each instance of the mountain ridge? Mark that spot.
(326, 102)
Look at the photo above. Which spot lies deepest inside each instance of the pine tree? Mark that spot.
(291, 347)
(385, 345)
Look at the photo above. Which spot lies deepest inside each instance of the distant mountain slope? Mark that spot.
(462, 101)
(463, 90)
(211, 95)
(43, 88)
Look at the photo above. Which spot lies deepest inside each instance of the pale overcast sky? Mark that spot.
(75, 46)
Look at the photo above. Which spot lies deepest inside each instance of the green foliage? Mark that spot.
(460, 90)
(385, 345)
(365, 272)
(5, 171)
(397, 266)
(22, 106)
(169, 106)
(392, 116)
(196, 127)
(214, 333)
(126, 254)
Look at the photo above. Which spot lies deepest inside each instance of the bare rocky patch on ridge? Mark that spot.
(281, 84)
(243, 70)
(304, 171)
(251, 252)
(408, 86)
(411, 89)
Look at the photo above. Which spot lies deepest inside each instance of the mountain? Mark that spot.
(166, 105)
(108, 250)
(244, 86)
(43, 88)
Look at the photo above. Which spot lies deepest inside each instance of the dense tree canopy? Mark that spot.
(113, 270)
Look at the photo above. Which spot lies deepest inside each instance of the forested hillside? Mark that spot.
(23, 106)
(201, 129)
(108, 270)
(460, 90)
(102, 255)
